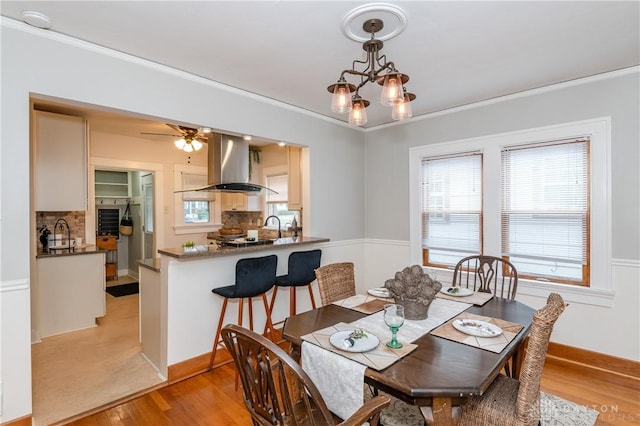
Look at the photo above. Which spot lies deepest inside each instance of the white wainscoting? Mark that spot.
(15, 320)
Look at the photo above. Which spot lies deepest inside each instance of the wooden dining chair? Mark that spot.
(336, 281)
(508, 401)
(278, 392)
(487, 274)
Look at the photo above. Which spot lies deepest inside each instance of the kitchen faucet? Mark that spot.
(278, 219)
(61, 223)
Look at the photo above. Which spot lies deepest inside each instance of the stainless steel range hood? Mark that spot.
(228, 166)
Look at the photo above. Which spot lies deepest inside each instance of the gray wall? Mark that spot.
(386, 176)
(46, 64)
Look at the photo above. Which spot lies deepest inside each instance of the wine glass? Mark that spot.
(394, 318)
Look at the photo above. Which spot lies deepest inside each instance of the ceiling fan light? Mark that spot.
(180, 143)
(196, 144)
(392, 89)
(188, 147)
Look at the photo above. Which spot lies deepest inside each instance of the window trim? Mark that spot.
(599, 131)
(179, 227)
(583, 143)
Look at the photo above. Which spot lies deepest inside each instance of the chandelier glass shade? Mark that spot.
(358, 114)
(345, 97)
(402, 110)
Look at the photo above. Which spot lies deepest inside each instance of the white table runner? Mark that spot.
(340, 380)
(440, 311)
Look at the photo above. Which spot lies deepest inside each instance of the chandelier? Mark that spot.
(345, 95)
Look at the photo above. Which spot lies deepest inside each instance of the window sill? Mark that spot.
(194, 228)
(575, 294)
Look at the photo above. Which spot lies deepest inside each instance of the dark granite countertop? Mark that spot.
(153, 264)
(87, 249)
(212, 250)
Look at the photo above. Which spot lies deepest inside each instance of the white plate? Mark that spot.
(462, 291)
(362, 344)
(477, 328)
(379, 292)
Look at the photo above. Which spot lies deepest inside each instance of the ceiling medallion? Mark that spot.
(394, 18)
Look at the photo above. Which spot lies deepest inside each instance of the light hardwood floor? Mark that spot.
(76, 372)
(210, 398)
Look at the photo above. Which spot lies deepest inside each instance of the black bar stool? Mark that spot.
(300, 273)
(254, 277)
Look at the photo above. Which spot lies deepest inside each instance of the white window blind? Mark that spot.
(279, 184)
(545, 209)
(451, 207)
(190, 181)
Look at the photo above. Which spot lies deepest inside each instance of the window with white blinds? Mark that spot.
(545, 210)
(191, 181)
(277, 203)
(195, 204)
(451, 205)
(279, 184)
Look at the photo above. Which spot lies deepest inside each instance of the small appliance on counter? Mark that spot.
(44, 238)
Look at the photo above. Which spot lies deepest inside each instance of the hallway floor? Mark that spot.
(78, 372)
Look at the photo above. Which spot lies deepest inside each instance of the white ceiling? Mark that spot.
(455, 52)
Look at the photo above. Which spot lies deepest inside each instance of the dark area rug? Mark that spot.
(123, 289)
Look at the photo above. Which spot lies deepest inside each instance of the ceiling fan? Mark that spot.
(189, 139)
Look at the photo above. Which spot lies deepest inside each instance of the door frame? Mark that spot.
(158, 197)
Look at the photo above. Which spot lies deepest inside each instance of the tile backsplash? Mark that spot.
(75, 219)
(246, 220)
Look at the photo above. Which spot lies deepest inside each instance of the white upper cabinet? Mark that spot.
(60, 162)
(294, 190)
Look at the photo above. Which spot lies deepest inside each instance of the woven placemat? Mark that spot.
(378, 358)
(476, 298)
(364, 303)
(494, 344)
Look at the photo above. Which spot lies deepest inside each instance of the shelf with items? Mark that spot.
(112, 184)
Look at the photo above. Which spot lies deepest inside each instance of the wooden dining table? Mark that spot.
(439, 373)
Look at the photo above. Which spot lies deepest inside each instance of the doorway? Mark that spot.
(79, 371)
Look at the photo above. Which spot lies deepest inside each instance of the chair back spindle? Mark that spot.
(487, 274)
(277, 392)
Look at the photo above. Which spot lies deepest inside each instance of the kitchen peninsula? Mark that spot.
(178, 325)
